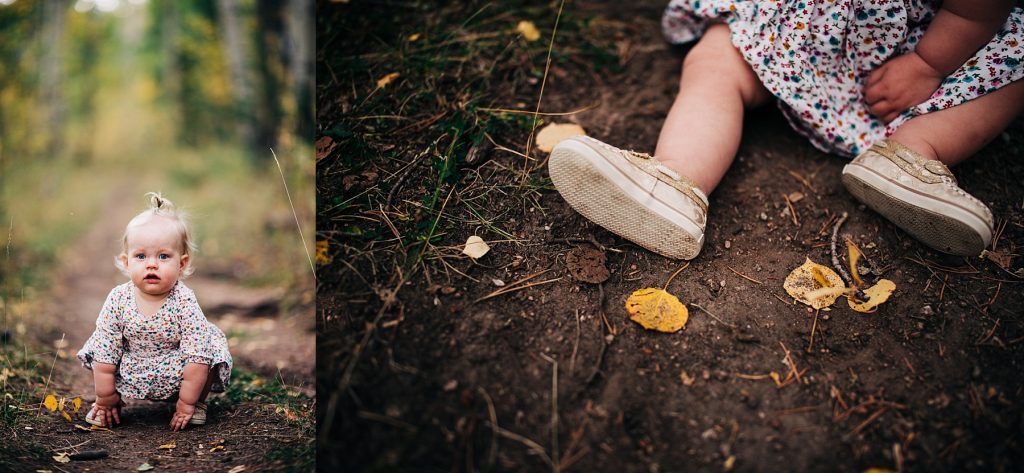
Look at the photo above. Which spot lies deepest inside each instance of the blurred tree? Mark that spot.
(236, 47)
(301, 39)
(51, 74)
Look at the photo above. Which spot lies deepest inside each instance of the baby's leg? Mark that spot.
(701, 134)
(955, 134)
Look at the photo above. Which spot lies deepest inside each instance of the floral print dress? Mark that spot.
(150, 352)
(815, 57)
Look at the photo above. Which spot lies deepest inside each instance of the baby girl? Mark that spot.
(152, 340)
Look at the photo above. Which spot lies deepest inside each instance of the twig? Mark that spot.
(401, 179)
(792, 211)
(727, 324)
(814, 326)
(670, 278)
(803, 180)
(792, 364)
(492, 453)
(525, 441)
(47, 385)
(513, 287)
(554, 412)
(744, 276)
(297, 225)
(576, 345)
(835, 257)
(72, 446)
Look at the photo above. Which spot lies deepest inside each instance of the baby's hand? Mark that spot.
(106, 410)
(902, 82)
(183, 412)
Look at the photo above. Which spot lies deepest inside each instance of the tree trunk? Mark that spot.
(236, 51)
(51, 71)
(301, 75)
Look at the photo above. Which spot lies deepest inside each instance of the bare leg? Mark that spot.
(701, 134)
(209, 384)
(955, 134)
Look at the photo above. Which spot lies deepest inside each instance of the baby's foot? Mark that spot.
(632, 195)
(199, 416)
(920, 196)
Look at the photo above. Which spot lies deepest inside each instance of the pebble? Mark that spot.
(763, 216)
(728, 244)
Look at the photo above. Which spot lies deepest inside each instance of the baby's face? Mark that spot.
(154, 259)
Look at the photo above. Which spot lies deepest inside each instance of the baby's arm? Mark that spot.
(958, 30)
(107, 398)
(193, 381)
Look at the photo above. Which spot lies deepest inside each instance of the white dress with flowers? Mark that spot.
(150, 352)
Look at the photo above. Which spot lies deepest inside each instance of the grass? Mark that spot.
(437, 153)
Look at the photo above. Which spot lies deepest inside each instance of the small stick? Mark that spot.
(576, 345)
(792, 364)
(744, 276)
(814, 326)
(754, 377)
(670, 278)
(493, 452)
(835, 257)
(803, 180)
(792, 211)
(499, 293)
(828, 223)
(869, 420)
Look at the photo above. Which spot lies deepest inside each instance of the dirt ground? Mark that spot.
(260, 340)
(535, 380)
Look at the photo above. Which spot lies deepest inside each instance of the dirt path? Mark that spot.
(555, 376)
(261, 342)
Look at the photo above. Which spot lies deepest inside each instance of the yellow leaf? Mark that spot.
(413, 37)
(387, 79)
(656, 309)
(77, 402)
(322, 257)
(813, 284)
(775, 377)
(50, 402)
(528, 30)
(60, 405)
(855, 255)
(878, 470)
(81, 427)
(237, 469)
(475, 247)
(877, 294)
(167, 446)
(62, 457)
(550, 135)
(217, 448)
(95, 428)
(65, 416)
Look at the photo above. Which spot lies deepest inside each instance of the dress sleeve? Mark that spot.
(106, 343)
(196, 343)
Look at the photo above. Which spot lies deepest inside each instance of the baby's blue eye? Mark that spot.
(140, 256)
(165, 256)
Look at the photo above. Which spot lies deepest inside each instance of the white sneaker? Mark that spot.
(920, 196)
(631, 194)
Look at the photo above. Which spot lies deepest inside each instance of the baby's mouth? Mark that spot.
(151, 278)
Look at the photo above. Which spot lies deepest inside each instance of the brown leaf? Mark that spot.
(324, 146)
(587, 265)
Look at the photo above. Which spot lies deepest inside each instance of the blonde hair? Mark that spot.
(162, 207)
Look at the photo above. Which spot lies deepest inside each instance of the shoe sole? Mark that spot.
(940, 224)
(606, 195)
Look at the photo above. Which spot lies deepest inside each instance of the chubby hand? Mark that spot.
(183, 412)
(106, 410)
(902, 82)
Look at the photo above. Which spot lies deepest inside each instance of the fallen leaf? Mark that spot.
(95, 428)
(813, 284)
(413, 37)
(587, 265)
(655, 309)
(144, 467)
(237, 469)
(528, 30)
(775, 377)
(878, 470)
(854, 254)
(82, 427)
(877, 294)
(553, 133)
(387, 79)
(77, 402)
(324, 146)
(475, 247)
(50, 402)
(44, 471)
(60, 405)
(65, 416)
(217, 448)
(167, 446)
(62, 457)
(795, 197)
(498, 282)
(322, 257)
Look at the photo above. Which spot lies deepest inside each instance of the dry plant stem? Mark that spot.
(550, 114)
(554, 412)
(803, 180)
(540, 97)
(814, 326)
(576, 345)
(405, 174)
(792, 211)
(670, 278)
(792, 364)
(47, 385)
(727, 324)
(294, 214)
(492, 453)
(744, 276)
(534, 446)
(835, 256)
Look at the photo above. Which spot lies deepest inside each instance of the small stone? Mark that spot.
(927, 311)
(728, 244)
(763, 216)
